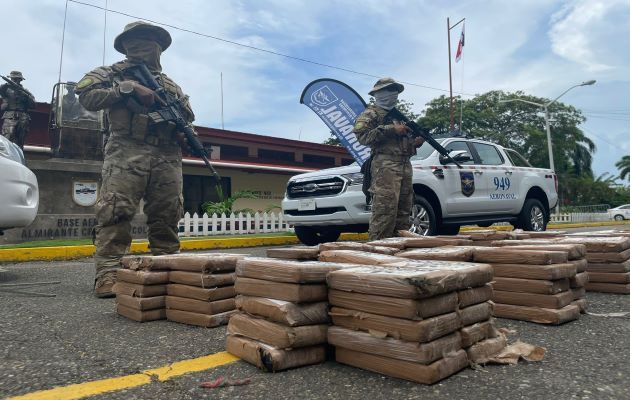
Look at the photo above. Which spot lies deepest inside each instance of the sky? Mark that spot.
(541, 47)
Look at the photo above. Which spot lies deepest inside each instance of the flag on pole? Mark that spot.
(460, 46)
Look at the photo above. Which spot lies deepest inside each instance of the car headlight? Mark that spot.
(11, 151)
(354, 179)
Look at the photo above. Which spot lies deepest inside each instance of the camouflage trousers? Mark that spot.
(133, 170)
(392, 195)
(15, 126)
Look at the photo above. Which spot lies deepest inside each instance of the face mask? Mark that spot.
(145, 51)
(386, 99)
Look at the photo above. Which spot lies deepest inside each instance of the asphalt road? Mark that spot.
(74, 338)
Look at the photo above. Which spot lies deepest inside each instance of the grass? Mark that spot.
(82, 242)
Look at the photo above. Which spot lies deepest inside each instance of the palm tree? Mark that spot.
(624, 167)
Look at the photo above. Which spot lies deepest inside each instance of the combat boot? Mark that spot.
(104, 284)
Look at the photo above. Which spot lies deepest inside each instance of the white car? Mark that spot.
(19, 197)
(491, 184)
(620, 213)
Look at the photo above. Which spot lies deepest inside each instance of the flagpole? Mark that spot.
(461, 99)
(450, 75)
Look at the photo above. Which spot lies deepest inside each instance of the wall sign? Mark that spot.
(84, 193)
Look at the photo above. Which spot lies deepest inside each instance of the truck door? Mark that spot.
(461, 186)
(501, 180)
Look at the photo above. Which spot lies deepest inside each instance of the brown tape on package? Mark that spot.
(426, 374)
(619, 288)
(537, 314)
(555, 301)
(531, 285)
(609, 267)
(448, 253)
(287, 271)
(193, 292)
(294, 253)
(580, 279)
(607, 258)
(421, 353)
(524, 242)
(581, 304)
(285, 312)
(607, 277)
(600, 244)
(202, 280)
(483, 351)
(135, 290)
(397, 328)
(200, 306)
(425, 279)
(547, 272)
(141, 303)
(196, 262)
(299, 293)
(476, 295)
(358, 247)
(581, 265)
(476, 313)
(270, 359)
(142, 277)
(578, 293)
(277, 335)
(574, 251)
(503, 255)
(394, 307)
(203, 320)
(474, 333)
(487, 234)
(357, 257)
(140, 315)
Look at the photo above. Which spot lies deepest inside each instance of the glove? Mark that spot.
(143, 94)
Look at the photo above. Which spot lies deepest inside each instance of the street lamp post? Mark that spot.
(545, 108)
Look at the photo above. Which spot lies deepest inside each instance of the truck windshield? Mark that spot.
(425, 151)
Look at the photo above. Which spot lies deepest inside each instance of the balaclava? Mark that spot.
(386, 98)
(145, 51)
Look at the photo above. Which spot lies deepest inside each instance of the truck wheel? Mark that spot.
(449, 229)
(485, 224)
(311, 236)
(618, 217)
(533, 216)
(423, 219)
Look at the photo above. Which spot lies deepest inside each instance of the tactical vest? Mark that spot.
(16, 101)
(393, 145)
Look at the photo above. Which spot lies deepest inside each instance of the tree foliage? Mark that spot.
(624, 168)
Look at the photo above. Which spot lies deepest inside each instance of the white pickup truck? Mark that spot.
(494, 184)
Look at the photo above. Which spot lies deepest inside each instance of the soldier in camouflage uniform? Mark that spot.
(391, 147)
(15, 106)
(142, 158)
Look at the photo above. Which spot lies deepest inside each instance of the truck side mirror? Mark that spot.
(460, 156)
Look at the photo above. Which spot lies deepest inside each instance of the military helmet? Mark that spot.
(386, 82)
(16, 74)
(141, 28)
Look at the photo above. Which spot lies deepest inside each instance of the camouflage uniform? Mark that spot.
(142, 160)
(15, 106)
(391, 187)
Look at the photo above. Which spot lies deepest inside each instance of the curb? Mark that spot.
(73, 252)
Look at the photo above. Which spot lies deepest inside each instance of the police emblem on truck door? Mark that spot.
(468, 183)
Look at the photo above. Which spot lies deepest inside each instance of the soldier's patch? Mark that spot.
(85, 82)
(468, 183)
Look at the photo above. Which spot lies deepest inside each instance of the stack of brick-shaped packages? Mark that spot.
(283, 319)
(414, 318)
(194, 289)
(140, 291)
(608, 263)
(201, 289)
(576, 255)
(531, 285)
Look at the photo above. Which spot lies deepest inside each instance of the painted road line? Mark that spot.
(93, 388)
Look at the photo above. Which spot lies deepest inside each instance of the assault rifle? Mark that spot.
(417, 131)
(171, 109)
(18, 87)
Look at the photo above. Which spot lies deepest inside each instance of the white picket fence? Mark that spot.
(233, 224)
(580, 217)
